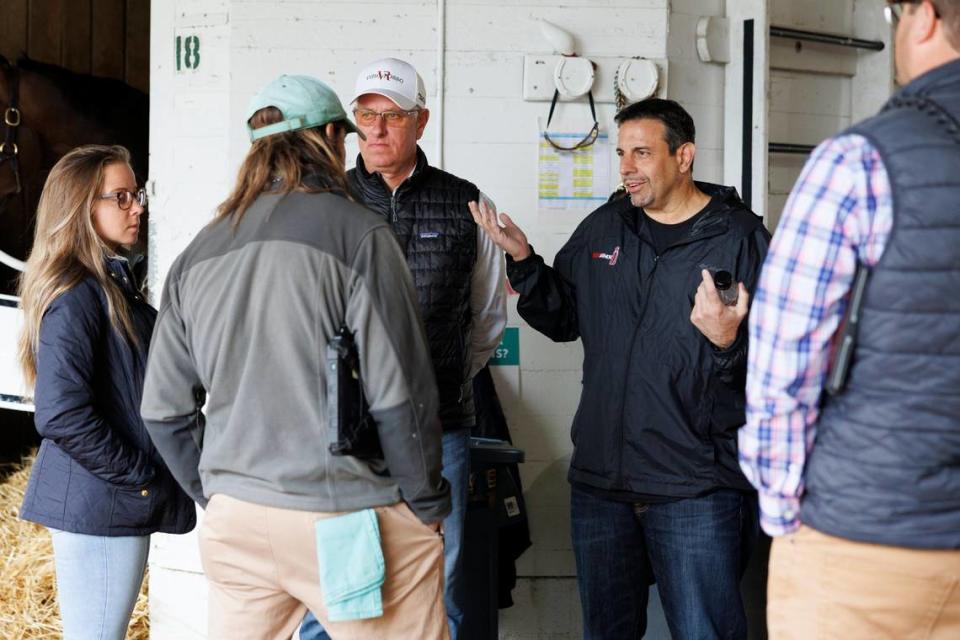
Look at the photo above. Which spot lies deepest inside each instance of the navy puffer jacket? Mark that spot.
(97, 471)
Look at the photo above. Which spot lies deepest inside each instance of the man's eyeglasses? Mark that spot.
(125, 198)
(894, 10)
(368, 117)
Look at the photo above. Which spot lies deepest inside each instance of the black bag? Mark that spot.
(353, 431)
(843, 357)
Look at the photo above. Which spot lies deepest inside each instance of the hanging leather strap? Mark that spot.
(587, 140)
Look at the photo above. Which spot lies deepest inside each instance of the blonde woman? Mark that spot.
(98, 484)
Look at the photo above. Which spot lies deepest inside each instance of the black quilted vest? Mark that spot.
(885, 466)
(429, 215)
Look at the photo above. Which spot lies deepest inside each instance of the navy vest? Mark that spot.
(885, 466)
(429, 215)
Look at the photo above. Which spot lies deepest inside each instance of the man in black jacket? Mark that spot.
(657, 490)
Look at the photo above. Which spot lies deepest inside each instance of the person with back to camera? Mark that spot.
(458, 274)
(860, 488)
(248, 312)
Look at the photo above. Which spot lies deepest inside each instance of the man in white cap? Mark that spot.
(459, 273)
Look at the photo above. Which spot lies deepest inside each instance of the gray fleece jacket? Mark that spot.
(245, 317)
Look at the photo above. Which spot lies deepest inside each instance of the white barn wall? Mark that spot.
(490, 137)
(808, 107)
(189, 174)
(697, 85)
(189, 165)
(805, 108)
(873, 83)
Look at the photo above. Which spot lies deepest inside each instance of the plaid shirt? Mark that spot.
(840, 211)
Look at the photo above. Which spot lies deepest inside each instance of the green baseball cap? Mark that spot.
(304, 102)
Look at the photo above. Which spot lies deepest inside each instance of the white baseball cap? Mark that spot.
(394, 79)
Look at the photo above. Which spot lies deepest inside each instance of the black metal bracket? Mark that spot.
(786, 147)
(746, 160)
(826, 38)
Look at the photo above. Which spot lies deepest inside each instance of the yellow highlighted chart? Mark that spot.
(573, 179)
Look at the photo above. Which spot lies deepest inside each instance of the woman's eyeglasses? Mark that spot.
(125, 198)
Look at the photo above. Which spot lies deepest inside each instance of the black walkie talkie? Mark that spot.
(353, 431)
(843, 357)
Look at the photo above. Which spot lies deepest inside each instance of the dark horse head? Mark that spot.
(57, 110)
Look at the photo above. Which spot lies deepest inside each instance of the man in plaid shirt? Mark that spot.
(862, 490)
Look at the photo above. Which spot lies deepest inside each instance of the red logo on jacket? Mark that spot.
(611, 258)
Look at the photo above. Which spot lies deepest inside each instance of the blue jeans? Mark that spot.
(456, 469)
(98, 580)
(696, 549)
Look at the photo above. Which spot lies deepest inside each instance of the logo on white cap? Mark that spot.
(393, 79)
(385, 75)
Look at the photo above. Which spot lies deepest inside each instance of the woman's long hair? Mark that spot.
(66, 248)
(281, 162)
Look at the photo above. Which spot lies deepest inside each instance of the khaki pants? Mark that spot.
(823, 587)
(261, 567)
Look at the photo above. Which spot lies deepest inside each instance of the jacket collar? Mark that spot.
(374, 181)
(714, 222)
(946, 75)
(310, 178)
(122, 270)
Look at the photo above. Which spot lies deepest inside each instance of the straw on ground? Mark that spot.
(28, 604)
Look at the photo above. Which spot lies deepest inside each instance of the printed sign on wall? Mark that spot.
(576, 179)
(508, 351)
(188, 52)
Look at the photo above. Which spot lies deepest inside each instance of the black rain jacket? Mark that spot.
(660, 406)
